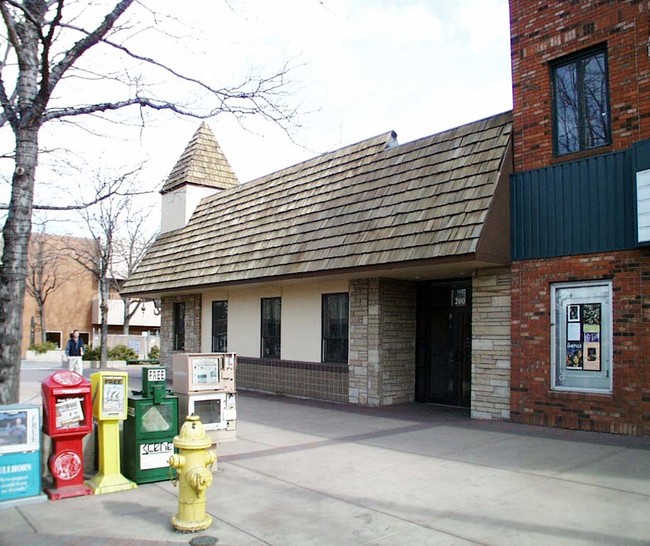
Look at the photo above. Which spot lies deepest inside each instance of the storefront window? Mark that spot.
(581, 337)
(179, 326)
(271, 314)
(336, 308)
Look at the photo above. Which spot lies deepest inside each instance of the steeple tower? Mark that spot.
(201, 170)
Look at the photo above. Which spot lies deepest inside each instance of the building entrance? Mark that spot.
(444, 343)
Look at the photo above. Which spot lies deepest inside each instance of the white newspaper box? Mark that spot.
(205, 386)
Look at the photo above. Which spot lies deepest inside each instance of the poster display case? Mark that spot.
(20, 454)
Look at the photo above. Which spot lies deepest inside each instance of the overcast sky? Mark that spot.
(361, 68)
(364, 67)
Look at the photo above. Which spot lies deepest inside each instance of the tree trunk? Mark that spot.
(103, 307)
(13, 270)
(126, 324)
(41, 316)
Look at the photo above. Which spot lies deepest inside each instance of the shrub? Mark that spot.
(154, 353)
(92, 353)
(119, 352)
(42, 348)
(122, 352)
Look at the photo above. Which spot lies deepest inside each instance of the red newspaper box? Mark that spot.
(67, 418)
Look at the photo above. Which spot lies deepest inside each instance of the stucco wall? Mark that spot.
(300, 320)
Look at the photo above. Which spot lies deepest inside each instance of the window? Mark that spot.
(271, 311)
(335, 327)
(581, 102)
(581, 337)
(219, 326)
(179, 327)
(54, 337)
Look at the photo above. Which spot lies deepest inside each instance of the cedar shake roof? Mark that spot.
(202, 164)
(370, 204)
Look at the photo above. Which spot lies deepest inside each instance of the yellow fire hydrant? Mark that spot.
(193, 464)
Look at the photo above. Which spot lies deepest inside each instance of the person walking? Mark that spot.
(74, 350)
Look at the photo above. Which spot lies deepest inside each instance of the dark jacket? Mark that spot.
(74, 349)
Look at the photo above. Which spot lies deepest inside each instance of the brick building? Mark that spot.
(72, 301)
(580, 213)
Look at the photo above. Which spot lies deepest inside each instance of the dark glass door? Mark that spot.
(444, 342)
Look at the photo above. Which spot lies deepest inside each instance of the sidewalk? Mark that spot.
(303, 472)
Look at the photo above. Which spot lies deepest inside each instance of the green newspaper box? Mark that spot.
(149, 429)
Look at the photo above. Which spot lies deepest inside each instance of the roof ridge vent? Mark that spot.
(392, 141)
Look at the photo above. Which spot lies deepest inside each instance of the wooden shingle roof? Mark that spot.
(373, 203)
(201, 164)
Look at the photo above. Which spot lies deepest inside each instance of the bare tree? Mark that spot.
(43, 275)
(103, 222)
(130, 248)
(45, 41)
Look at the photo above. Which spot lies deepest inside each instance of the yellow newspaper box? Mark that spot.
(109, 393)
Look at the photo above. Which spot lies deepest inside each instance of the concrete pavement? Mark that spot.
(304, 472)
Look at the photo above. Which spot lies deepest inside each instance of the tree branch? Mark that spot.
(106, 106)
(86, 43)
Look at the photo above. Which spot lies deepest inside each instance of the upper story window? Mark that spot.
(179, 326)
(271, 313)
(581, 102)
(335, 327)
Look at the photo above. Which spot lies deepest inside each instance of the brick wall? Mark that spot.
(627, 409)
(192, 326)
(542, 31)
(382, 341)
(491, 345)
(310, 379)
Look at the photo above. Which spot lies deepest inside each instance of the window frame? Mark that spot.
(565, 296)
(220, 334)
(578, 60)
(178, 326)
(269, 340)
(327, 355)
(55, 336)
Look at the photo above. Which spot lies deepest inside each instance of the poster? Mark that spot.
(573, 331)
(574, 355)
(592, 352)
(583, 342)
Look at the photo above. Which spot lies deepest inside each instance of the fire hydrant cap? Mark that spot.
(192, 435)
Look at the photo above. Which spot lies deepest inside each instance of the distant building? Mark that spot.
(74, 301)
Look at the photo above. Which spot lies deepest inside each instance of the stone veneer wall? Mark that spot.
(491, 331)
(192, 326)
(382, 342)
(359, 327)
